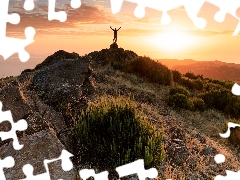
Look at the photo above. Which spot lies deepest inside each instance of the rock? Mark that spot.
(201, 138)
(61, 83)
(114, 46)
(118, 55)
(178, 151)
(57, 56)
(13, 99)
(37, 147)
(209, 150)
(192, 162)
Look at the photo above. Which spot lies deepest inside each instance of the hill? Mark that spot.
(58, 96)
(209, 69)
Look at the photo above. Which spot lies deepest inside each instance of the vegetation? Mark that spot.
(113, 133)
(154, 71)
(190, 75)
(199, 104)
(176, 75)
(180, 101)
(180, 90)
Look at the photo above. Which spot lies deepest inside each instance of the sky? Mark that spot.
(87, 29)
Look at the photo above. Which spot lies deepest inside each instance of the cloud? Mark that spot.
(37, 18)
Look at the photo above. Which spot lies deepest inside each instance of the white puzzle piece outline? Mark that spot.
(192, 9)
(7, 162)
(137, 167)
(66, 166)
(9, 46)
(21, 125)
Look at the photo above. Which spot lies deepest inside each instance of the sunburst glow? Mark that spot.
(174, 40)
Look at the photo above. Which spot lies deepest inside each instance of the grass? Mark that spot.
(208, 123)
(116, 134)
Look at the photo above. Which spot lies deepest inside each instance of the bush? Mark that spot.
(233, 107)
(186, 82)
(216, 98)
(180, 101)
(190, 75)
(111, 134)
(180, 90)
(198, 84)
(176, 75)
(154, 71)
(199, 104)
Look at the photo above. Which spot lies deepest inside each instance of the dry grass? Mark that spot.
(208, 123)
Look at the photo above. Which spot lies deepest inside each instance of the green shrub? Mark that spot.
(186, 82)
(112, 134)
(180, 90)
(228, 85)
(154, 71)
(233, 107)
(209, 86)
(216, 98)
(198, 104)
(176, 75)
(198, 84)
(180, 101)
(190, 75)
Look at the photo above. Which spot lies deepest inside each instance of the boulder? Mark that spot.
(114, 46)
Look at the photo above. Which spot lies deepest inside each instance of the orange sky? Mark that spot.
(87, 29)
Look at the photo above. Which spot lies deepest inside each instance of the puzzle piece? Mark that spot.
(226, 7)
(230, 176)
(192, 8)
(66, 166)
(230, 125)
(137, 167)
(21, 125)
(236, 89)
(87, 173)
(61, 15)
(9, 46)
(219, 158)
(8, 162)
(29, 5)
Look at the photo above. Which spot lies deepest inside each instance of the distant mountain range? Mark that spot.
(209, 69)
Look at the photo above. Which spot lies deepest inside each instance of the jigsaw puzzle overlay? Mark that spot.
(221, 158)
(9, 46)
(192, 8)
(136, 167)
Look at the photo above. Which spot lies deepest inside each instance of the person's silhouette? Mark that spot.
(115, 34)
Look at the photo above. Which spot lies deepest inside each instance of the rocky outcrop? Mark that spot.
(114, 46)
(57, 56)
(37, 147)
(45, 97)
(112, 55)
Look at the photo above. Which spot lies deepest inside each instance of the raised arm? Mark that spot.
(119, 28)
(111, 28)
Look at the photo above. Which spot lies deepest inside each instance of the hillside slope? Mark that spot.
(48, 97)
(209, 69)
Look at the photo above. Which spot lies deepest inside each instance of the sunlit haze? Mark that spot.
(87, 29)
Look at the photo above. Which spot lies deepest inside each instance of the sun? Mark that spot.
(174, 40)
